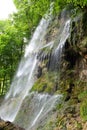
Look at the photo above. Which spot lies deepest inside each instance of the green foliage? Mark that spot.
(83, 107)
(11, 42)
(29, 14)
(80, 3)
(83, 110)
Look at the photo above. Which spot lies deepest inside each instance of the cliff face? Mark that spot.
(70, 79)
(73, 58)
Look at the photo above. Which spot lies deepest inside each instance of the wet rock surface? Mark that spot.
(6, 125)
(72, 114)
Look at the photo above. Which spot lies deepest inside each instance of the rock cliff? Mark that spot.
(71, 80)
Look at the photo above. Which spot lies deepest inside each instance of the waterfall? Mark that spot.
(24, 78)
(38, 105)
(57, 53)
(48, 103)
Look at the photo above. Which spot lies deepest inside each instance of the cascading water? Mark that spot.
(57, 53)
(35, 108)
(25, 78)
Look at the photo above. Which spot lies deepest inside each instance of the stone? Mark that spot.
(7, 125)
(83, 75)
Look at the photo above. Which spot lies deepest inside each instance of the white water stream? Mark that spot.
(57, 54)
(49, 103)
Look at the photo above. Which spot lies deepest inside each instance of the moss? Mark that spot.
(83, 110)
(39, 85)
(59, 106)
(79, 126)
(82, 95)
(46, 83)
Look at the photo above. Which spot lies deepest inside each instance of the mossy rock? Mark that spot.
(46, 83)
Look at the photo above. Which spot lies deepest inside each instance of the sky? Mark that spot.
(6, 8)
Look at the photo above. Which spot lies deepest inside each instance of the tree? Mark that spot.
(80, 3)
(11, 49)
